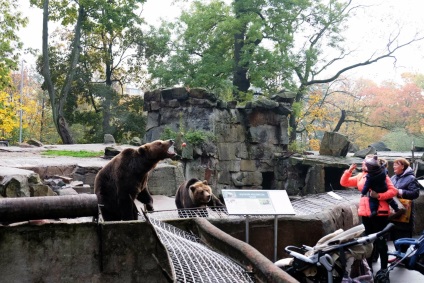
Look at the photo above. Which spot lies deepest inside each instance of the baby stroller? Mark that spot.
(409, 253)
(337, 257)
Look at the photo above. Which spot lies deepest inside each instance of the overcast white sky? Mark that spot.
(366, 31)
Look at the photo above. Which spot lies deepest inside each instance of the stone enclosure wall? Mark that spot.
(250, 146)
(247, 137)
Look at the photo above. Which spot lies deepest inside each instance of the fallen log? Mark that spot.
(50, 207)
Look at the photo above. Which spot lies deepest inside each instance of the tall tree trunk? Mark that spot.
(240, 78)
(293, 115)
(106, 110)
(341, 121)
(58, 101)
(107, 103)
(293, 128)
(42, 119)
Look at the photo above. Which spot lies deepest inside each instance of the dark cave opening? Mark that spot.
(332, 178)
(267, 180)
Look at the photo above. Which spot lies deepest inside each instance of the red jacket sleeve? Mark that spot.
(391, 191)
(348, 181)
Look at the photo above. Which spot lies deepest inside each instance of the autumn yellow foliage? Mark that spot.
(314, 144)
(9, 119)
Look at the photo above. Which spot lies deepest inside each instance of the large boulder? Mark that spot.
(35, 142)
(165, 179)
(353, 148)
(364, 152)
(15, 182)
(334, 144)
(108, 138)
(136, 141)
(86, 173)
(380, 146)
(111, 151)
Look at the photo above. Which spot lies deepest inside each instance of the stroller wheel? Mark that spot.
(382, 276)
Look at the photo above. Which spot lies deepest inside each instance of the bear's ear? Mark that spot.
(191, 182)
(142, 150)
(192, 188)
(205, 182)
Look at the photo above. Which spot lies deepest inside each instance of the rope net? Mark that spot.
(195, 262)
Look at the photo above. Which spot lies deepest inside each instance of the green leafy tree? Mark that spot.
(112, 32)
(11, 20)
(98, 51)
(225, 47)
(59, 93)
(261, 43)
(129, 120)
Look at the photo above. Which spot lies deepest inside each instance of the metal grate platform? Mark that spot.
(195, 262)
(313, 204)
(307, 205)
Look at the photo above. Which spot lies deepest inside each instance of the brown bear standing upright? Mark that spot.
(124, 179)
(195, 194)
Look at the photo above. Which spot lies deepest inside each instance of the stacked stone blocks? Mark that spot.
(247, 138)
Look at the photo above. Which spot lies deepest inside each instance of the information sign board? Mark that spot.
(257, 202)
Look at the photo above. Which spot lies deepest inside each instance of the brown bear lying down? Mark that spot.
(195, 194)
(124, 179)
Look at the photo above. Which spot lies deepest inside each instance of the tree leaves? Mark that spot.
(11, 20)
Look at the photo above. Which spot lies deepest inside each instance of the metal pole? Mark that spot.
(247, 229)
(42, 119)
(20, 101)
(275, 237)
(413, 157)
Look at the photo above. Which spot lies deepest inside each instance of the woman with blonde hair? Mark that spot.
(404, 180)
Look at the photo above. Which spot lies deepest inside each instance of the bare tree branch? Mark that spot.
(366, 124)
(389, 54)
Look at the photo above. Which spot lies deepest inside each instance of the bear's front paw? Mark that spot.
(149, 207)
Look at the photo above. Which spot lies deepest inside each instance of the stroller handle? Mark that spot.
(386, 229)
(361, 240)
(371, 237)
(293, 251)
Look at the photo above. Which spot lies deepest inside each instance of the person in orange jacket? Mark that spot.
(378, 222)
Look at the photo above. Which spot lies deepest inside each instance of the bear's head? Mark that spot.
(200, 193)
(157, 150)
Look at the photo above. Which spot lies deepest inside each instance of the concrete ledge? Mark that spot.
(82, 252)
(130, 251)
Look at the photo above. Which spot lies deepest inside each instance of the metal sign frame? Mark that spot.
(258, 202)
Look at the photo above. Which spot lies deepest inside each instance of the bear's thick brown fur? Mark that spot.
(196, 194)
(124, 179)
